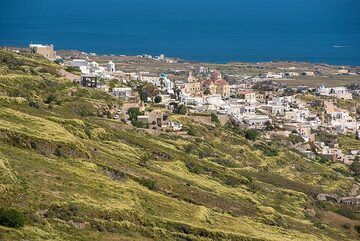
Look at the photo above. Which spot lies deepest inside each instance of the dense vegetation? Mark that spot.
(76, 174)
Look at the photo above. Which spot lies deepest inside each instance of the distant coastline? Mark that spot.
(201, 31)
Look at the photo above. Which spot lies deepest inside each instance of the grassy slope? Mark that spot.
(123, 184)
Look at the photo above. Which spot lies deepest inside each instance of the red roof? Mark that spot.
(221, 82)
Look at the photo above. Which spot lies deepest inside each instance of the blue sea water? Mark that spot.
(326, 31)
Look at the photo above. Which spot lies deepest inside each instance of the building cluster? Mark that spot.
(203, 90)
(349, 201)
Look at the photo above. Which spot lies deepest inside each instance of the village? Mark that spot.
(313, 119)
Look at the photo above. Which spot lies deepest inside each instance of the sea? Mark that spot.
(217, 31)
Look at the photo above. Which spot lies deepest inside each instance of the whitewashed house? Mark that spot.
(123, 93)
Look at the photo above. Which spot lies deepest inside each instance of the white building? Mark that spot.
(256, 121)
(343, 122)
(338, 92)
(123, 93)
(110, 66)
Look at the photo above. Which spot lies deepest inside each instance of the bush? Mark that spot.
(139, 124)
(194, 168)
(34, 104)
(11, 218)
(134, 113)
(189, 148)
(181, 110)
(251, 134)
(149, 183)
(357, 228)
(346, 226)
(157, 99)
(235, 181)
(191, 132)
(67, 212)
(50, 98)
(295, 139)
(267, 150)
(355, 166)
(214, 118)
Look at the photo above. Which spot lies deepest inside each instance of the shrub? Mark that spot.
(157, 99)
(191, 132)
(34, 104)
(346, 226)
(189, 148)
(50, 98)
(144, 160)
(194, 168)
(182, 110)
(67, 212)
(134, 113)
(233, 181)
(355, 166)
(149, 183)
(295, 139)
(251, 134)
(357, 228)
(267, 149)
(140, 124)
(11, 218)
(214, 118)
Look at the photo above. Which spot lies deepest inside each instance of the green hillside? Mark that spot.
(78, 175)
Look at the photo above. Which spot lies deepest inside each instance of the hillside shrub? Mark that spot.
(346, 226)
(236, 181)
(149, 183)
(251, 134)
(191, 132)
(267, 150)
(194, 168)
(66, 212)
(10, 217)
(189, 148)
(214, 118)
(295, 139)
(34, 104)
(357, 228)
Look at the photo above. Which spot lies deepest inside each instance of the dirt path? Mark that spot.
(69, 75)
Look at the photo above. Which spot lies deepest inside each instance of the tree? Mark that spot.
(251, 134)
(157, 99)
(214, 118)
(134, 113)
(144, 96)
